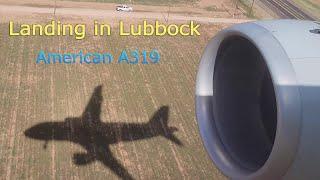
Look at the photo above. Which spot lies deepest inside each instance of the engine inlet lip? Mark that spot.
(287, 99)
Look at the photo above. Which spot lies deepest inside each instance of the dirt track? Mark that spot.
(6, 10)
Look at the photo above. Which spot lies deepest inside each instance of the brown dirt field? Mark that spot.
(316, 1)
(36, 93)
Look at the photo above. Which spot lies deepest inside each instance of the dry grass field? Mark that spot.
(311, 6)
(31, 94)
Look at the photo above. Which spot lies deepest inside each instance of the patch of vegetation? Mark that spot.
(246, 6)
(213, 8)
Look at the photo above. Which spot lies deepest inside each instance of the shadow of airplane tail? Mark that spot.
(160, 121)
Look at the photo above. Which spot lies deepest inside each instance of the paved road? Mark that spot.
(286, 9)
(98, 13)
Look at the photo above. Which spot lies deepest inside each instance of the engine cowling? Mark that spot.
(258, 100)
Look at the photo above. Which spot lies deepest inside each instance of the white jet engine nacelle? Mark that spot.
(258, 100)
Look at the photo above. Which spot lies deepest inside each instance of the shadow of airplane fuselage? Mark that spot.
(95, 136)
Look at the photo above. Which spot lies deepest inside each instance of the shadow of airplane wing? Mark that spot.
(97, 147)
(113, 164)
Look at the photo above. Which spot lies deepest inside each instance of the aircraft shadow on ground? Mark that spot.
(95, 136)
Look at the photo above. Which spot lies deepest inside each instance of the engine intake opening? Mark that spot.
(244, 103)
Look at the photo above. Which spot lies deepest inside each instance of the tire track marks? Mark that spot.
(286, 9)
(12, 131)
